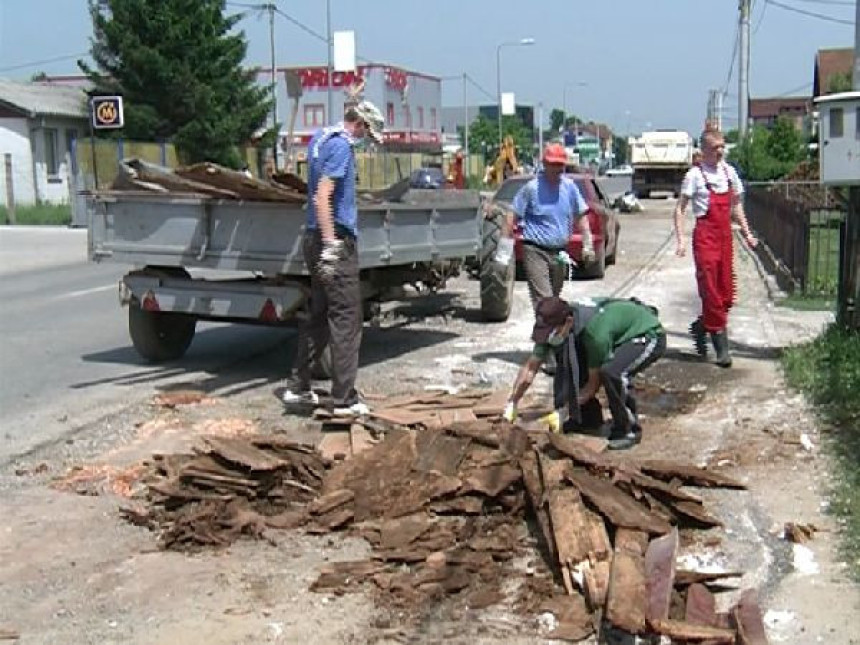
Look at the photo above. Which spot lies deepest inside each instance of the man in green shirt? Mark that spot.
(615, 338)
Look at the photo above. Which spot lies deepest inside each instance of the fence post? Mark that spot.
(849, 265)
(10, 189)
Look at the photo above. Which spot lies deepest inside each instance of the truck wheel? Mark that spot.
(160, 336)
(497, 280)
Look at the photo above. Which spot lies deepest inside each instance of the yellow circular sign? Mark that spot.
(106, 112)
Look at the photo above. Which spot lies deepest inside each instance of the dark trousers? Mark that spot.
(335, 318)
(544, 275)
(628, 360)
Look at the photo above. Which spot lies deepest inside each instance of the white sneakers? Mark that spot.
(307, 397)
(355, 410)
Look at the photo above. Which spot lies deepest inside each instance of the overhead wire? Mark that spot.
(811, 14)
(732, 63)
(44, 61)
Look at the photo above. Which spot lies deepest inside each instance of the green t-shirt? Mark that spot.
(615, 323)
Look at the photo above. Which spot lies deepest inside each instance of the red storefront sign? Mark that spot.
(317, 77)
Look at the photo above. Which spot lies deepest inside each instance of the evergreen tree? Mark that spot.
(178, 66)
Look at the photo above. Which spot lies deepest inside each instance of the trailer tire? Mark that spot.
(160, 336)
(497, 280)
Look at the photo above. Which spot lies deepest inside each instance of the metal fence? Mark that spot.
(799, 223)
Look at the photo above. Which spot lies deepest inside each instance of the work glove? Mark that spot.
(553, 421)
(510, 413)
(504, 251)
(588, 255)
(327, 264)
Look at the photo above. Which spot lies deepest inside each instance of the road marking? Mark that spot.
(84, 292)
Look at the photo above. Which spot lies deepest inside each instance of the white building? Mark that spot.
(39, 124)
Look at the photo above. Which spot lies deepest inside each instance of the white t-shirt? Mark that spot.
(696, 180)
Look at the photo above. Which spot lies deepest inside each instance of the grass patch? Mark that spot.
(803, 302)
(828, 371)
(57, 215)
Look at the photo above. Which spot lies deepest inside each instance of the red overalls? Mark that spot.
(713, 254)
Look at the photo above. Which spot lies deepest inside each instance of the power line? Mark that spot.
(843, 3)
(734, 57)
(45, 61)
(480, 89)
(811, 14)
(760, 18)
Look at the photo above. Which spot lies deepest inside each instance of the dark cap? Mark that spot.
(550, 313)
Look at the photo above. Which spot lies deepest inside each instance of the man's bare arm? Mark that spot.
(525, 377)
(680, 216)
(323, 206)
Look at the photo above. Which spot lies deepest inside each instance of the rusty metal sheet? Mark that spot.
(660, 574)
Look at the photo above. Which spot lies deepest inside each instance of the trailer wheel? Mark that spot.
(160, 336)
(497, 280)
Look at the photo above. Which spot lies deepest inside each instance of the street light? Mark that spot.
(518, 43)
(564, 101)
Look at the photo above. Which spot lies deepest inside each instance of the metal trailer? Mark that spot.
(166, 237)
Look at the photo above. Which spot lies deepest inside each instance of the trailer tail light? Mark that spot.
(149, 303)
(269, 313)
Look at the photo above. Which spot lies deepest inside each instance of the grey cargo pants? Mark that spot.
(544, 275)
(335, 318)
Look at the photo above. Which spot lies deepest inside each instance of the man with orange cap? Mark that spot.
(545, 210)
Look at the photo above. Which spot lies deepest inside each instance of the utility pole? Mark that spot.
(271, 9)
(466, 163)
(330, 119)
(849, 279)
(743, 66)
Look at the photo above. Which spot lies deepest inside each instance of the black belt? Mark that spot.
(548, 249)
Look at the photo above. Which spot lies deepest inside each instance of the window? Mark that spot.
(837, 128)
(314, 115)
(52, 160)
(390, 113)
(432, 118)
(420, 118)
(407, 116)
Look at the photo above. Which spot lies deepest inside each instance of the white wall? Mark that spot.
(15, 139)
(54, 189)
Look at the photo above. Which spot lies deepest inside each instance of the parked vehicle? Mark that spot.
(660, 159)
(624, 170)
(605, 227)
(427, 178)
(168, 232)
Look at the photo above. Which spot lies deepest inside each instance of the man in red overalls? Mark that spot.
(714, 189)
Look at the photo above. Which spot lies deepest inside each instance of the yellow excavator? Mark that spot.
(504, 166)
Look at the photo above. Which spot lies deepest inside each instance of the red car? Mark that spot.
(604, 223)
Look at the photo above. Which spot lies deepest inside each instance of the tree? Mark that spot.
(619, 150)
(840, 82)
(178, 66)
(556, 119)
(765, 155)
(484, 135)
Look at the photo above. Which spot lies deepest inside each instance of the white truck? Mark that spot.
(660, 159)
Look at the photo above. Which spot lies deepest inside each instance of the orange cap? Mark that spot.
(554, 153)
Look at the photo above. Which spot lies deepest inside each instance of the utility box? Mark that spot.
(839, 137)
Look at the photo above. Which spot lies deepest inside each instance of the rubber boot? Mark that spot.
(700, 341)
(720, 339)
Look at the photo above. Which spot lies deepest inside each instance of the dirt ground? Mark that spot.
(72, 571)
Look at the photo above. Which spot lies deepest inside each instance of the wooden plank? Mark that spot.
(660, 574)
(492, 405)
(689, 474)
(492, 480)
(617, 506)
(447, 417)
(662, 488)
(360, 438)
(440, 452)
(399, 416)
(534, 490)
(330, 501)
(336, 445)
(627, 596)
(480, 431)
(701, 606)
(580, 534)
(596, 582)
(684, 632)
(746, 617)
(577, 449)
(240, 451)
(695, 512)
(684, 578)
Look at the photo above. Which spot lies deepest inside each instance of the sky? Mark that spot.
(644, 63)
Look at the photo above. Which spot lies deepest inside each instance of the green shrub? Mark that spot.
(56, 215)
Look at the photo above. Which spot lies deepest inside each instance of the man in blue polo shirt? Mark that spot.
(331, 255)
(545, 209)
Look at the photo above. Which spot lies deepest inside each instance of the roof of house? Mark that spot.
(773, 107)
(36, 99)
(828, 63)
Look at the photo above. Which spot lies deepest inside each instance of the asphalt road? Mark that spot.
(66, 358)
